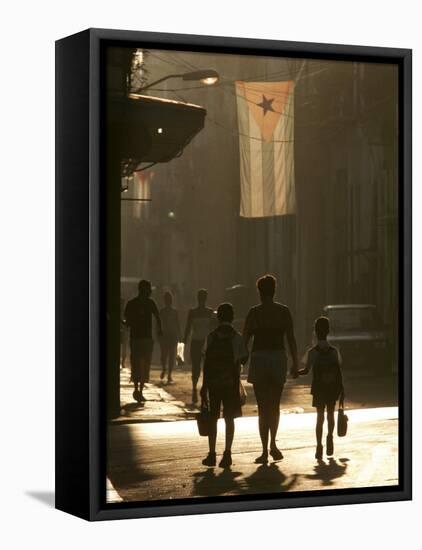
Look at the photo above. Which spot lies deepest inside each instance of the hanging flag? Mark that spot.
(265, 112)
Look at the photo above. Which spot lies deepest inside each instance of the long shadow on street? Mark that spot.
(270, 479)
(209, 483)
(266, 479)
(327, 472)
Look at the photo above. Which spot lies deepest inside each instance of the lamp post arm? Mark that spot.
(144, 88)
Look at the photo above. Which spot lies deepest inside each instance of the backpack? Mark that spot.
(326, 370)
(219, 359)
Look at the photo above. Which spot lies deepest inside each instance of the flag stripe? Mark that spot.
(268, 178)
(256, 181)
(245, 165)
(284, 162)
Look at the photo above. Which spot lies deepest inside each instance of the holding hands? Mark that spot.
(302, 372)
(294, 373)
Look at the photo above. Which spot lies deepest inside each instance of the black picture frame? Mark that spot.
(82, 287)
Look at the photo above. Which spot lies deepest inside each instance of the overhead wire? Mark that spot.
(230, 82)
(225, 83)
(221, 126)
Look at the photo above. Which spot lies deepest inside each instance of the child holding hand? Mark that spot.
(327, 383)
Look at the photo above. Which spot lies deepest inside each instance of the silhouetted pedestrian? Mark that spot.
(268, 323)
(170, 337)
(198, 326)
(138, 317)
(225, 352)
(327, 383)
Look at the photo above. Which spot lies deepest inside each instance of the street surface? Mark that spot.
(162, 460)
(362, 391)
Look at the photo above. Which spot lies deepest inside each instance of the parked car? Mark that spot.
(362, 338)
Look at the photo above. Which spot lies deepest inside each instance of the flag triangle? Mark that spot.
(267, 103)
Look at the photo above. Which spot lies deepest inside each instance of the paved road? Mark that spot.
(162, 460)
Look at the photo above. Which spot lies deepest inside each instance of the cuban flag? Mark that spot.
(266, 131)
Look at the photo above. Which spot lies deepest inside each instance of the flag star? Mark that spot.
(266, 104)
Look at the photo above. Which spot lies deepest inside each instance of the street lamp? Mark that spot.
(205, 76)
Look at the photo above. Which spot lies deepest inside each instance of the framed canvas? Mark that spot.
(233, 280)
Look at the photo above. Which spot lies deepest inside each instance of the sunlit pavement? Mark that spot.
(152, 461)
(160, 405)
(172, 401)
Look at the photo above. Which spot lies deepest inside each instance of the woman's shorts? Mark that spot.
(268, 366)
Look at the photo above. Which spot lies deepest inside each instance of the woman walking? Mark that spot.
(268, 323)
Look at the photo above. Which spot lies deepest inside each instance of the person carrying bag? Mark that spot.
(327, 386)
(224, 354)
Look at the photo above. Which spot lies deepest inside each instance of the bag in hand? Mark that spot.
(203, 419)
(180, 359)
(342, 418)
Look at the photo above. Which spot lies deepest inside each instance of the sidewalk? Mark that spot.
(169, 402)
(160, 406)
(152, 461)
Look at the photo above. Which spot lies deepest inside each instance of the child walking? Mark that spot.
(225, 353)
(327, 383)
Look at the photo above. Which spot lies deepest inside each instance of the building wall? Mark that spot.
(340, 247)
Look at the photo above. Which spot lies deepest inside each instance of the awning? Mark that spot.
(152, 129)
